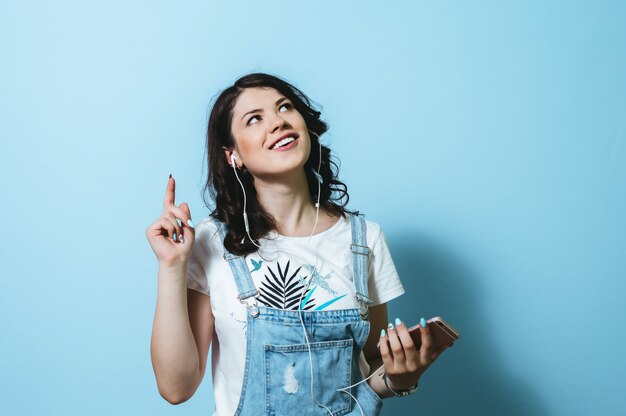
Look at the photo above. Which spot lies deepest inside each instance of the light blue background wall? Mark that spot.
(487, 138)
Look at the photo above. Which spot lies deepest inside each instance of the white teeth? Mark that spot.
(283, 142)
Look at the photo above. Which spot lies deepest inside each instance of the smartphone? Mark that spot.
(442, 332)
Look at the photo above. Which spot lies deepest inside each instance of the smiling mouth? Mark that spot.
(284, 142)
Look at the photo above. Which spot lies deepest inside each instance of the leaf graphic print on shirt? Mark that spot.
(282, 291)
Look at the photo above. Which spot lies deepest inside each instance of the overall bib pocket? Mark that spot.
(288, 378)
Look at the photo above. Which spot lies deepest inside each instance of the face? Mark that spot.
(262, 118)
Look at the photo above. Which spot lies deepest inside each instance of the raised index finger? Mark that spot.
(169, 193)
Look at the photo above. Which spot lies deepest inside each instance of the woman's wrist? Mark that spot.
(380, 383)
(402, 389)
(401, 382)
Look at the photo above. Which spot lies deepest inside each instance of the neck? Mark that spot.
(289, 202)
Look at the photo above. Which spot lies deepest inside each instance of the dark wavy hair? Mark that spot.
(222, 186)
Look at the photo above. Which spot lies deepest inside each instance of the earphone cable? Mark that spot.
(319, 187)
(308, 344)
(245, 214)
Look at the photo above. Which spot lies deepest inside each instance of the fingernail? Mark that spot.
(174, 236)
(423, 322)
(383, 333)
(390, 326)
(190, 223)
(170, 175)
(182, 239)
(398, 321)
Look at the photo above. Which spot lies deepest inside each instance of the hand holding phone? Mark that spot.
(405, 361)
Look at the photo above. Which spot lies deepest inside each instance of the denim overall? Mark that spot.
(277, 375)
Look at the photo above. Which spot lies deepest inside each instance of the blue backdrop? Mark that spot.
(487, 138)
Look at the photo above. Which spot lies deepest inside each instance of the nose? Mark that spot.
(276, 122)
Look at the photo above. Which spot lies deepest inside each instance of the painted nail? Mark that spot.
(398, 321)
(174, 236)
(170, 175)
(383, 333)
(180, 223)
(423, 322)
(390, 326)
(190, 223)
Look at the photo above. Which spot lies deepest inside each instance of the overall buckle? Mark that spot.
(253, 306)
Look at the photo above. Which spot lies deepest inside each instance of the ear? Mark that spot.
(229, 153)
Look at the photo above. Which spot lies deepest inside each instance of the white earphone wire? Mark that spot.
(319, 187)
(245, 214)
(308, 344)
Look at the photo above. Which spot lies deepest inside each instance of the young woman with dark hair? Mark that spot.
(286, 284)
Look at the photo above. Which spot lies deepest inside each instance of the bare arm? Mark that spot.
(181, 335)
(183, 322)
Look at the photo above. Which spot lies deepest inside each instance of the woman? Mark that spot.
(286, 284)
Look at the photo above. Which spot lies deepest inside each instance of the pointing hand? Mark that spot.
(172, 235)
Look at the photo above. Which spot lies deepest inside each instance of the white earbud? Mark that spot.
(232, 159)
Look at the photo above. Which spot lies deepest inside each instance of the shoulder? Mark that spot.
(207, 226)
(207, 235)
(373, 229)
(206, 223)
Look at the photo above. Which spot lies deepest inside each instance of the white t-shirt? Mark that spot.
(323, 262)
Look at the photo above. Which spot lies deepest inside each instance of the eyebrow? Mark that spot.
(256, 110)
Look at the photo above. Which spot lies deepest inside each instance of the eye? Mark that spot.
(286, 105)
(254, 119)
(250, 120)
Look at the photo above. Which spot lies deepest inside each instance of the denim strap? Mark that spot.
(244, 282)
(360, 256)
